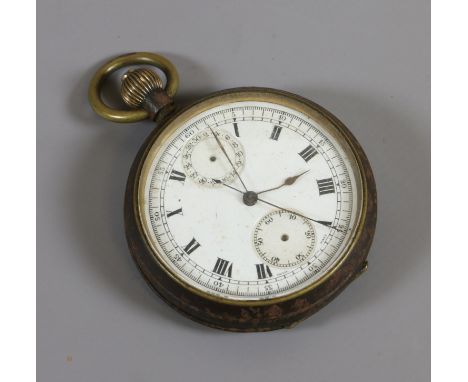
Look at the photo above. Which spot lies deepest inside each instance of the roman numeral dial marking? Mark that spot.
(263, 271)
(276, 132)
(176, 212)
(236, 128)
(326, 186)
(223, 267)
(308, 153)
(192, 246)
(177, 175)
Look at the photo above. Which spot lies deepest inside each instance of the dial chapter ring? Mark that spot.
(139, 58)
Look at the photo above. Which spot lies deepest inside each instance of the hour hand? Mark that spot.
(287, 182)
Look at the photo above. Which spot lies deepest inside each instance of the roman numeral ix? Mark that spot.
(308, 153)
(223, 267)
(263, 271)
(326, 186)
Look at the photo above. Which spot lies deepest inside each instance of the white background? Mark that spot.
(361, 351)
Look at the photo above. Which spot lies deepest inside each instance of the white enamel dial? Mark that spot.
(205, 227)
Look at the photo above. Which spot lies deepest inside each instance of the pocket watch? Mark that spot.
(248, 210)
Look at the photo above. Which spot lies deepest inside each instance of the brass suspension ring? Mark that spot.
(140, 58)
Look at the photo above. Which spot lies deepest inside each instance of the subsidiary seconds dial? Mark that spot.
(284, 239)
(204, 161)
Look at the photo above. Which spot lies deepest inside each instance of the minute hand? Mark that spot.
(227, 156)
(326, 224)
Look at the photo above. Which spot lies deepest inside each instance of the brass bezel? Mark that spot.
(238, 95)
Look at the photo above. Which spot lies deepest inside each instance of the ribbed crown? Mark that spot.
(137, 84)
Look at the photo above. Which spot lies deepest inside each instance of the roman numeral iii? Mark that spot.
(326, 186)
(276, 132)
(192, 246)
(263, 271)
(223, 267)
(308, 153)
(177, 175)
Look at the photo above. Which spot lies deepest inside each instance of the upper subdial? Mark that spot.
(205, 162)
(284, 239)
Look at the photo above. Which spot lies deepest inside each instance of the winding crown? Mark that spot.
(137, 85)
